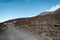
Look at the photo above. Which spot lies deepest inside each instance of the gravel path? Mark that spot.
(14, 34)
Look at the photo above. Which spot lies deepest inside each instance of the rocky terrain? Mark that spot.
(46, 24)
(12, 33)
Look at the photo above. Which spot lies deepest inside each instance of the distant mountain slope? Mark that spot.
(46, 24)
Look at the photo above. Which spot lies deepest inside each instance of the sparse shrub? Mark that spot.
(2, 27)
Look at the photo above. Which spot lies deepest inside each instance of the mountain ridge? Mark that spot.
(47, 25)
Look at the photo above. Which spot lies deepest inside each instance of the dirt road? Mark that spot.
(13, 33)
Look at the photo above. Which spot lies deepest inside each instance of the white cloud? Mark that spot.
(2, 21)
(53, 8)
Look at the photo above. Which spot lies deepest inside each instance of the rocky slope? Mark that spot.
(46, 25)
(2, 27)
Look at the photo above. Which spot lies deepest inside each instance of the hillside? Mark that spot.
(46, 25)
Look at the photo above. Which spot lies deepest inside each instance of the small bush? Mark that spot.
(2, 26)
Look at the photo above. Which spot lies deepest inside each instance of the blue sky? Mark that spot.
(11, 9)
